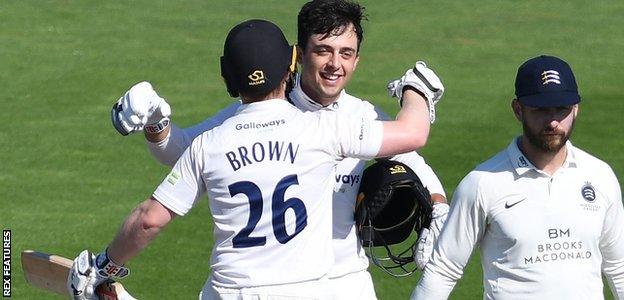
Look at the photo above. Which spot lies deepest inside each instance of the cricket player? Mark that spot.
(329, 38)
(268, 173)
(547, 216)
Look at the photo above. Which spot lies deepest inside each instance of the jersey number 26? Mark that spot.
(278, 209)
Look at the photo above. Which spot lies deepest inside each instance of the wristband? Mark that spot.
(108, 268)
(158, 127)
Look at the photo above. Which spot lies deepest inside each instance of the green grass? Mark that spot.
(67, 179)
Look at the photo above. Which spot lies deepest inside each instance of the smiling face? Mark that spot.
(328, 63)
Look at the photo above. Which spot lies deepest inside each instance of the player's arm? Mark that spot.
(138, 230)
(415, 161)
(418, 91)
(168, 148)
(142, 109)
(464, 228)
(176, 195)
(410, 130)
(365, 138)
(612, 240)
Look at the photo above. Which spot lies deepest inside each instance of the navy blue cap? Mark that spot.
(546, 81)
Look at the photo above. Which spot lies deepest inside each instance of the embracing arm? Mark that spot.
(142, 109)
(411, 128)
(169, 145)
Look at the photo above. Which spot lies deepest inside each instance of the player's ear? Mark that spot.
(517, 109)
(299, 54)
(575, 109)
(357, 59)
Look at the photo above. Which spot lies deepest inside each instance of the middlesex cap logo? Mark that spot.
(588, 192)
(256, 78)
(550, 76)
(397, 169)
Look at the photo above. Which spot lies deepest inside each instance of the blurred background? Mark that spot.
(68, 179)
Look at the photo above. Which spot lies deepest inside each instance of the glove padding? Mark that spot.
(422, 79)
(85, 276)
(140, 107)
(424, 246)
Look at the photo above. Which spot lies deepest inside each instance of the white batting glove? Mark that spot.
(422, 79)
(428, 236)
(88, 272)
(140, 108)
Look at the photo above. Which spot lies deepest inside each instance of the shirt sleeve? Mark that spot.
(411, 159)
(417, 163)
(169, 150)
(464, 228)
(184, 185)
(356, 137)
(612, 240)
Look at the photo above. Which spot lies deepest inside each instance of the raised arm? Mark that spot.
(411, 128)
(142, 109)
(418, 91)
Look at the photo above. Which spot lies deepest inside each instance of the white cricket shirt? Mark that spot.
(268, 173)
(540, 236)
(348, 253)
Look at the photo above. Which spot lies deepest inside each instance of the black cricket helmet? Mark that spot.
(392, 205)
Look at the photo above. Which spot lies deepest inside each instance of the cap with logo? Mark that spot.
(546, 81)
(256, 56)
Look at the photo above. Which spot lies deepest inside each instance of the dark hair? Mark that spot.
(329, 17)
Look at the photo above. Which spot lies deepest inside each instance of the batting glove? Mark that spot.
(428, 236)
(88, 272)
(422, 79)
(140, 108)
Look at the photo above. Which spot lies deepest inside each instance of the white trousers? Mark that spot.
(356, 286)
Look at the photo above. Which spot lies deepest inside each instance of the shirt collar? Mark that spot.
(264, 105)
(305, 103)
(522, 164)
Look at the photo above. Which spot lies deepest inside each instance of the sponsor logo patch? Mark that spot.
(397, 169)
(259, 125)
(173, 177)
(256, 77)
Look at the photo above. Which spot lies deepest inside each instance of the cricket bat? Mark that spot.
(49, 272)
